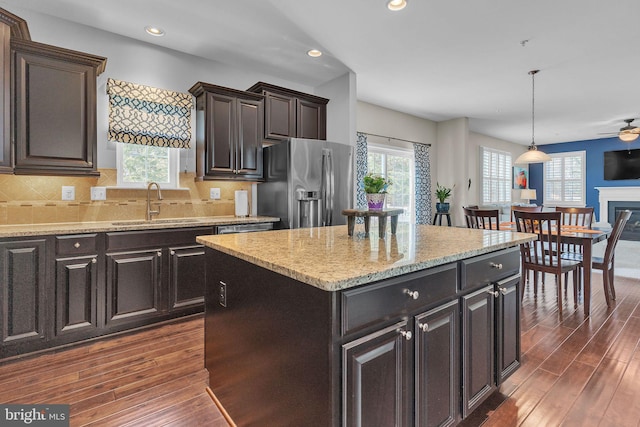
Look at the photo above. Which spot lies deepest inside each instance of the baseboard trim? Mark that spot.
(224, 413)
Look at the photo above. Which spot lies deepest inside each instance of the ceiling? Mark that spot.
(437, 59)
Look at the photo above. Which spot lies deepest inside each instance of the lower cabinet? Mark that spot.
(57, 290)
(134, 282)
(23, 296)
(376, 378)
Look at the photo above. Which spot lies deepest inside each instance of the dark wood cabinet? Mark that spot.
(23, 296)
(186, 273)
(54, 109)
(292, 114)
(376, 378)
(229, 126)
(477, 348)
(437, 366)
(133, 285)
(507, 328)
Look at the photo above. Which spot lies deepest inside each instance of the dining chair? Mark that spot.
(525, 209)
(606, 262)
(489, 219)
(543, 255)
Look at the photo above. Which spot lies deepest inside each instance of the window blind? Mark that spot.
(564, 179)
(146, 115)
(496, 176)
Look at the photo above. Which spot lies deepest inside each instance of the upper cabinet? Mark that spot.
(292, 114)
(229, 126)
(11, 26)
(54, 109)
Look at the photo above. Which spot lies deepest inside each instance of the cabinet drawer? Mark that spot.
(76, 244)
(371, 304)
(126, 240)
(484, 269)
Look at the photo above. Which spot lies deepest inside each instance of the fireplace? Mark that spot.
(615, 199)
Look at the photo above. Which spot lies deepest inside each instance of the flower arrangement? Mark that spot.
(376, 184)
(443, 193)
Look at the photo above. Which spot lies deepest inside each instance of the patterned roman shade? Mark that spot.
(148, 116)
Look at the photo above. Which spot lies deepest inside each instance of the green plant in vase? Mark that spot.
(442, 194)
(375, 186)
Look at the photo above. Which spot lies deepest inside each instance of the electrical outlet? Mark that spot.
(222, 294)
(98, 193)
(214, 193)
(68, 192)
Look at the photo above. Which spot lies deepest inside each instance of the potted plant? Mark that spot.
(442, 194)
(375, 187)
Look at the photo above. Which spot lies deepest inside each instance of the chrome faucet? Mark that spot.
(150, 212)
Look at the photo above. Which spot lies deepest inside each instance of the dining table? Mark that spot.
(581, 236)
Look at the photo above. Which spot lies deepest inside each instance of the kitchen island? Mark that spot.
(315, 327)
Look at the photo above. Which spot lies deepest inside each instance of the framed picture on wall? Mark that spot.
(520, 177)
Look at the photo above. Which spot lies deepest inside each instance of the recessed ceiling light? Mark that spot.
(396, 5)
(314, 53)
(154, 31)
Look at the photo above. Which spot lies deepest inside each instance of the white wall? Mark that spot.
(341, 109)
(149, 64)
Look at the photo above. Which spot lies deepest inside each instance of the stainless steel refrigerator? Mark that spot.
(308, 183)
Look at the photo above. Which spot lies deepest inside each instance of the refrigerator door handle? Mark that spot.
(331, 195)
(326, 187)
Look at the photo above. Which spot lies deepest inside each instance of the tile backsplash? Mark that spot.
(26, 199)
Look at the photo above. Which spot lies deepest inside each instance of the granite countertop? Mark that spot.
(24, 230)
(329, 259)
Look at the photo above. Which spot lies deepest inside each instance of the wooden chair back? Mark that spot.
(542, 254)
(612, 241)
(488, 219)
(525, 209)
(577, 217)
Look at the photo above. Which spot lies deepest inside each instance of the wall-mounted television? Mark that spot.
(623, 164)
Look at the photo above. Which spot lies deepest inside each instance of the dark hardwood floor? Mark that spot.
(576, 371)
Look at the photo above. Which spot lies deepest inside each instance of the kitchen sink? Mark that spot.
(157, 221)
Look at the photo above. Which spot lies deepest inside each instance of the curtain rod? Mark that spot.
(397, 139)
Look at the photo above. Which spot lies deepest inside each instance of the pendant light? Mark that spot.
(533, 155)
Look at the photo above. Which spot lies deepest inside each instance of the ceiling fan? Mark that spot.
(626, 133)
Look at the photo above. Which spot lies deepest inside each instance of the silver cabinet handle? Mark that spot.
(424, 327)
(412, 294)
(494, 265)
(407, 335)
(93, 261)
(173, 252)
(496, 294)
(76, 245)
(159, 253)
(503, 291)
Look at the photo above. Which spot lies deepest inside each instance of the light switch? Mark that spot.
(98, 193)
(214, 193)
(68, 192)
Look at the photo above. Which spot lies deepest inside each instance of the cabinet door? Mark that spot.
(248, 152)
(5, 99)
(311, 120)
(23, 293)
(280, 116)
(220, 131)
(186, 276)
(76, 294)
(437, 366)
(507, 328)
(477, 348)
(55, 115)
(133, 285)
(375, 378)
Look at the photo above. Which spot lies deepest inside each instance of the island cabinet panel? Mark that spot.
(55, 109)
(23, 297)
(437, 366)
(507, 328)
(376, 379)
(477, 348)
